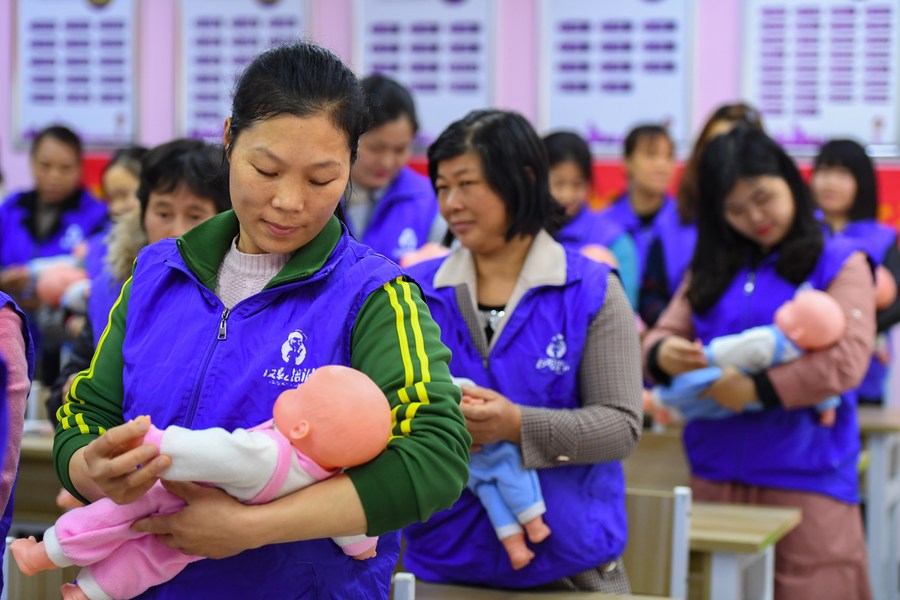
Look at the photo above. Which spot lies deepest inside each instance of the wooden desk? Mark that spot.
(37, 485)
(732, 546)
(433, 591)
(880, 430)
(733, 549)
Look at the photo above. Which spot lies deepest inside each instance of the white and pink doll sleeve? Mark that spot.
(752, 350)
(243, 463)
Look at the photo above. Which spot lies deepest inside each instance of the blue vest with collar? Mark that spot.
(534, 362)
(677, 239)
(402, 218)
(587, 227)
(776, 448)
(17, 246)
(186, 364)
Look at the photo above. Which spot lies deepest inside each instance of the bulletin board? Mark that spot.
(218, 38)
(442, 50)
(825, 70)
(75, 67)
(609, 66)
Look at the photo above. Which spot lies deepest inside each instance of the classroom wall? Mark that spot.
(516, 60)
(715, 73)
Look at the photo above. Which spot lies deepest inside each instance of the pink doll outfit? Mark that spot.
(253, 465)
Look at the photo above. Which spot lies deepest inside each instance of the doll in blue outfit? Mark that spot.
(511, 494)
(813, 320)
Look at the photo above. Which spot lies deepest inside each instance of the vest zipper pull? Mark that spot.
(223, 329)
(750, 284)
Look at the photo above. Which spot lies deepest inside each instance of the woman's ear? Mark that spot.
(226, 136)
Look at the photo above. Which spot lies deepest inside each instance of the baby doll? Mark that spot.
(812, 321)
(338, 418)
(511, 495)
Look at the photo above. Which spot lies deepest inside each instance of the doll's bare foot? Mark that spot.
(519, 554)
(366, 554)
(70, 591)
(828, 417)
(537, 530)
(31, 556)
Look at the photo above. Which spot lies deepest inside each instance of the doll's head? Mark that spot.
(600, 254)
(885, 288)
(338, 417)
(55, 280)
(426, 252)
(813, 320)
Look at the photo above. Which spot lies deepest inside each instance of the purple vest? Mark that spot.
(186, 365)
(874, 239)
(587, 227)
(534, 362)
(6, 519)
(105, 291)
(402, 218)
(96, 251)
(777, 448)
(17, 246)
(677, 239)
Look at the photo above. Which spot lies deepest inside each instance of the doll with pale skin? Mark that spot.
(511, 494)
(338, 418)
(812, 321)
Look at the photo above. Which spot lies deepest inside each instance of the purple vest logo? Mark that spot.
(293, 353)
(72, 236)
(407, 242)
(556, 350)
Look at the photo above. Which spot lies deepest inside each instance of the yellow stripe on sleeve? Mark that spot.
(406, 423)
(401, 334)
(404, 426)
(419, 340)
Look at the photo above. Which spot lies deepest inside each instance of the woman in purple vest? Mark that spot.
(390, 207)
(120, 180)
(649, 215)
(548, 337)
(757, 244)
(51, 219)
(571, 180)
(174, 193)
(665, 269)
(845, 189)
(48, 221)
(212, 327)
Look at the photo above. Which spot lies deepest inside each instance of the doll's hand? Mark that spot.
(677, 355)
(14, 279)
(490, 416)
(732, 390)
(120, 465)
(209, 524)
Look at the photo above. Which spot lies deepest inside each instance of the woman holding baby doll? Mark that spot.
(758, 244)
(213, 326)
(548, 338)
